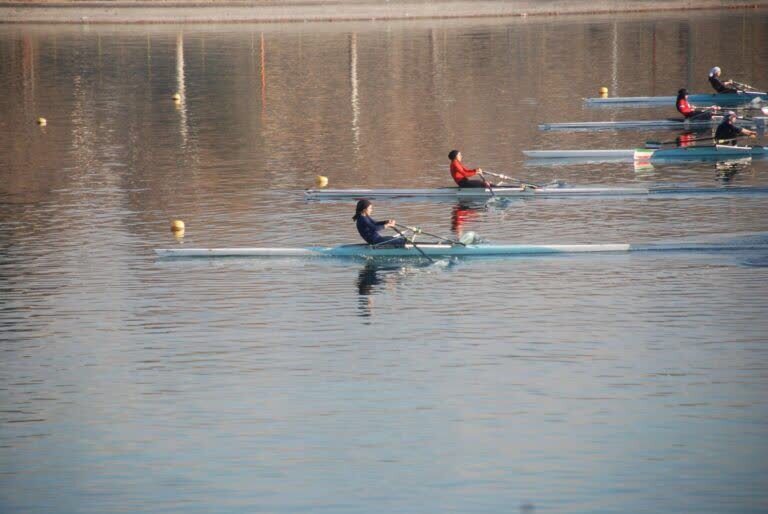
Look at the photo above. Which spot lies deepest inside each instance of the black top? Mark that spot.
(718, 85)
(727, 131)
(369, 229)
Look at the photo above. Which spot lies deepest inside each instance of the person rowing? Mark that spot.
(690, 111)
(728, 132)
(369, 228)
(465, 177)
(727, 87)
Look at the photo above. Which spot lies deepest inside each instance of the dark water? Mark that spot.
(617, 383)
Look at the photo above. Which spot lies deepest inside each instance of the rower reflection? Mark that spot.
(377, 277)
(725, 171)
(464, 213)
(686, 139)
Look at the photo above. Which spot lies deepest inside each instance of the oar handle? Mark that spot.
(396, 229)
(501, 175)
(675, 141)
(719, 141)
(741, 85)
(507, 177)
(654, 144)
(417, 230)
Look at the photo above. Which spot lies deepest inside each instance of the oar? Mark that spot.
(740, 108)
(417, 230)
(490, 188)
(743, 86)
(656, 144)
(712, 110)
(717, 111)
(506, 177)
(763, 110)
(430, 259)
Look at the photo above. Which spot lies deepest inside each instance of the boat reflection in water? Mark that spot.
(725, 170)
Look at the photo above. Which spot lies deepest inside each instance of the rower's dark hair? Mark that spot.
(361, 206)
(681, 93)
(452, 154)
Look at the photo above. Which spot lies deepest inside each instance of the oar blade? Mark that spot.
(468, 238)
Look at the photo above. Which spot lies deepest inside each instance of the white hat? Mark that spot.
(714, 71)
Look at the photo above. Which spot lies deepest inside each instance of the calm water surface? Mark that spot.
(601, 384)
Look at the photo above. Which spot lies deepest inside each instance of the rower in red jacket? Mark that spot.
(690, 111)
(465, 177)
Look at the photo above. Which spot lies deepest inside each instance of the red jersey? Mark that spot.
(459, 172)
(685, 108)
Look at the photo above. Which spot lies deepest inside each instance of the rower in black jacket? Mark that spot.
(728, 132)
(719, 85)
(369, 228)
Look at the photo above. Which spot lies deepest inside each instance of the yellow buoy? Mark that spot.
(42, 122)
(176, 97)
(177, 226)
(604, 92)
(321, 181)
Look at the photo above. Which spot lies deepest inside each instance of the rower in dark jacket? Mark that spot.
(719, 85)
(728, 132)
(369, 228)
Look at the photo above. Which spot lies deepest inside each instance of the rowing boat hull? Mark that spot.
(681, 153)
(580, 154)
(362, 250)
(440, 192)
(448, 250)
(686, 153)
(758, 122)
(725, 100)
(453, 193)
(471, 193)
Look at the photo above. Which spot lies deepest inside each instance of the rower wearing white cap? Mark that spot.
(728, 132)
(721, 87)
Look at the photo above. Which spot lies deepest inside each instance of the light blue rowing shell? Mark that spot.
(754, 98)
(451, 250)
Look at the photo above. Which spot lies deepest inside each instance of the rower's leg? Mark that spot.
(701, 116)
(474, 182)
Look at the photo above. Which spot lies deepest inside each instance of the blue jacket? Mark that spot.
(369, 229)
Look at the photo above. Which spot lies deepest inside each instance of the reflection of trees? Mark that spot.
(272, 107)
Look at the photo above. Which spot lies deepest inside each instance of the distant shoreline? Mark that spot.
(264, 11)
